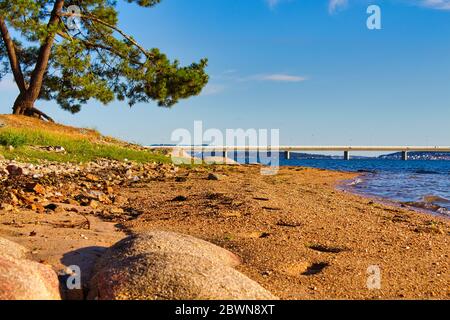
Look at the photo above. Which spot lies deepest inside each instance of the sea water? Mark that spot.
(423, 184)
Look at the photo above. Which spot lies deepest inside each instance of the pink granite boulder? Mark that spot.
(22, 279)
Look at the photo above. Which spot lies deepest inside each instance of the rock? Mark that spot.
(6, 207)
(27, 280)
(180, 179)
(161, 265)
(93, 204)
(22, 279)
(71, 202)
(13, 198)
(115, 210)
(36, 187)
(171, 242)
(231, 214)
(120, 201)
(179, 199)
(103, 198)
(215, 176)
(54, 207)
(31, 206)
(157, 276)
(129, 174)
(180, 153)
(109, 190)
(14, 170)
(59, 149)
(12, 249)
(40, 208)
(10, 148)
(92, 177)
(180, 156)
(219, 160)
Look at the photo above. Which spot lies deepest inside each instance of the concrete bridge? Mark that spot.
(288, 149)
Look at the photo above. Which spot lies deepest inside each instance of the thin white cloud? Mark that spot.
(437, 4)
(230, 71)
(334, 5)
(277, 77)
(213, 89)
(273, 3)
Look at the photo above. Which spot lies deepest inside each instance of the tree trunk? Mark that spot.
(25, 106)
(37, 76)
(22, 104)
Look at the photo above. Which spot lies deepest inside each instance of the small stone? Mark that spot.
(109, 190)
(92, 177)
(179, 199)
(14, 170)
(115, 210)
(103, 198)
(10, 148)
(93, 204)
(51, 207)
(71, 202)
(36, 187)
(214, 177)
(39, 208)
(59, 149)
(266, 273)
(13, 198)
(6, 207)
(120, 200)
(32, 207)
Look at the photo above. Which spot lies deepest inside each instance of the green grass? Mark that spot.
(8, 138)
(77, 149)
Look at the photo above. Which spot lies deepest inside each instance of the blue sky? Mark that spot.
(310, 68)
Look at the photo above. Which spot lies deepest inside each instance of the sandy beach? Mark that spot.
(296, 233)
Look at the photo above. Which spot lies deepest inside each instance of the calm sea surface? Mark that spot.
(421, 183)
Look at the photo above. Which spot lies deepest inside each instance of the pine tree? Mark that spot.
(74, 51)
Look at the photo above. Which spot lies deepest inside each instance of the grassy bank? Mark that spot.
(80, 146)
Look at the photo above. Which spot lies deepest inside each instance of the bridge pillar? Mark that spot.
(287, 155)
(346, 155)
(404, 155)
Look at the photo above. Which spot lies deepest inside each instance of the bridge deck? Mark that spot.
(307, 148)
